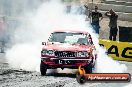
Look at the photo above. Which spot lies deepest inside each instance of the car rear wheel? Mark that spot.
(43, 69)
(88, 68)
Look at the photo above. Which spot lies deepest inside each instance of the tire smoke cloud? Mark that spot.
(35, 29)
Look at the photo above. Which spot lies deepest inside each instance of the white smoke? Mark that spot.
(25, 53)
(129, 85)
(106, 64)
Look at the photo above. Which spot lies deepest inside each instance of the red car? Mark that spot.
(68, 49)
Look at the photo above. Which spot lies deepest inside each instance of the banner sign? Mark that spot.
(104, 77)
(118, 50)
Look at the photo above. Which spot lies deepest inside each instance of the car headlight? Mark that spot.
(43, 52)
(82, 54)
(48, 52)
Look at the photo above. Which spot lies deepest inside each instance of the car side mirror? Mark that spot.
(43, 43)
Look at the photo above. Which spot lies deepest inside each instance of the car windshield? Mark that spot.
(68, 37)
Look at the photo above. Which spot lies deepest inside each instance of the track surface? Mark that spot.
(19, 78)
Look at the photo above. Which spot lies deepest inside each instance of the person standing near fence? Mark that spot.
(112, 24)
(95, 18)
(87, 11)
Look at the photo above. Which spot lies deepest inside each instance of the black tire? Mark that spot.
(81, 79)
(43, 69)
(88, 68)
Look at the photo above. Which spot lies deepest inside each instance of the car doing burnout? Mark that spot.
(68, 49)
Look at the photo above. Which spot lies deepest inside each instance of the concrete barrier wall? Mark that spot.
(122, 16)
(116, 2)
(124, 0)
(126, 16)
(128, 9)
(124, 12)
(119, 2)
(117, 8)
(128, 4)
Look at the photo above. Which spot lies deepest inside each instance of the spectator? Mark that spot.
(86, 12)
(68, 8)
(112, 24)
(95, 17)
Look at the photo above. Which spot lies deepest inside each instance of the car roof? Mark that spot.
(73, 31)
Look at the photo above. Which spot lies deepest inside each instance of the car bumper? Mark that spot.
(66, 62)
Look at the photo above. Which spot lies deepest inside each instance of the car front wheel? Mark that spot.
(88, 68)
(43, 69)
(81, 79)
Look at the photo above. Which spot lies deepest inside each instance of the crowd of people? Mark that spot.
(96, 16)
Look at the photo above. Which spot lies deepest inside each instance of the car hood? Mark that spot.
(67, 47)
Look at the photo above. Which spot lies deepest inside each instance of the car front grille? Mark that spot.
(65, 54)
